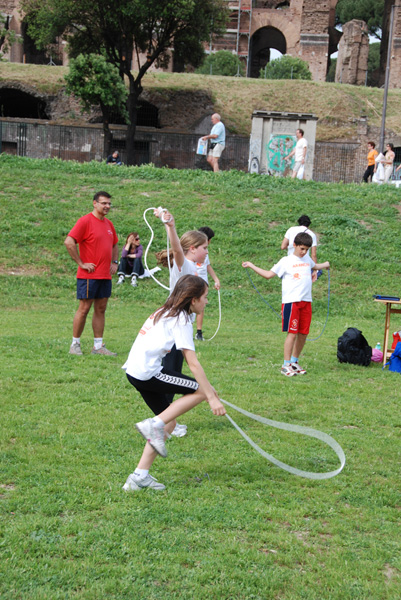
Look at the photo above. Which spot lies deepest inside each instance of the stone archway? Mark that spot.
(262, 41)
(17, 102)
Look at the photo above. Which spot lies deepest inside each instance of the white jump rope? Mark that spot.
(308, 431)
(162, 212)
(314, 433)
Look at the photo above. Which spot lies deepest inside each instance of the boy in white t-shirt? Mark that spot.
(295, 271)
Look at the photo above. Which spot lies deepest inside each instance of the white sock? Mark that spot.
(157, 422)
(97, 343)
(141, 473)
(76, 340)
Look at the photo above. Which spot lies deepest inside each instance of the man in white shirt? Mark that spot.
(299, 153)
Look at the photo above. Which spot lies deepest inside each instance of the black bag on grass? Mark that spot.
(353, 348)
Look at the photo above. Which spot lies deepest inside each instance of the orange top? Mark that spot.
(371, 157)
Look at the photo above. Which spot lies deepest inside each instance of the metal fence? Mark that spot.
(40, 139)
(333, 161)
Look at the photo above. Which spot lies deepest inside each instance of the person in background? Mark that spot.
(371, 168)
(218, 142)
(299, 153)
(388, 162)
(114, 159)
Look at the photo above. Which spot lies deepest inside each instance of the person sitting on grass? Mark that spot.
(131, 260)
(295, 270)
(168, 326)
(203, 270)
(114, 159)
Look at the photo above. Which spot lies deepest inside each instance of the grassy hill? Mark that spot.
(230, 525)
(337, 106)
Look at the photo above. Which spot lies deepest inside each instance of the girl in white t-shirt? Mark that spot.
(170, 325)
(185, 252)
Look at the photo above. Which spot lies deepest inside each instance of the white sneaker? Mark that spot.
(153, 435)
(179, 430)
(149, 273)
(299, 370)
(120, 280)
(134, 282)
(288, 371)
(134, 483)
(75, 348)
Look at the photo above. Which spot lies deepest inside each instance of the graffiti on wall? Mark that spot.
(279, 146)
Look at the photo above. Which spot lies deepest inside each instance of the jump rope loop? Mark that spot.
(162, 212)
(308, 431)
(145, 260)
(279, 315)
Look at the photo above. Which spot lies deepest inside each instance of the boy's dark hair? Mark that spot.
(303, 239)
(304, 220)
(99, 194)
(207, 231)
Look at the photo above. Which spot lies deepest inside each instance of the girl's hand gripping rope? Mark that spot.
(165, 217)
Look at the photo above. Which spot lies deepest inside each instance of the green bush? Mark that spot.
(286, 67)
(222, 62)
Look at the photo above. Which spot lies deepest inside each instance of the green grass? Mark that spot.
(337, 106)
(229, 525)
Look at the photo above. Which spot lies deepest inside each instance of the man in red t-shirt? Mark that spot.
(97, 262)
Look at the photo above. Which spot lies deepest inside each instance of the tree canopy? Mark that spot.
(370, 11)
(223, 63)
(286, 67)
(7, 37)
(152, 31)
(96, 82)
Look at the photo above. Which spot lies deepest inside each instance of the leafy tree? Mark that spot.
(222, 62)
(370, 11)
(373, 64)
(286, 67)
(331, 73)
(125, 29)
(97, 82)
(7, 37)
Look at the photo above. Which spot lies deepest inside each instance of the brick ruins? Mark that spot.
(300, 28)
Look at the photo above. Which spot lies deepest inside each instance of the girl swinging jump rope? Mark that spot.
(184, 254)
(170, 325)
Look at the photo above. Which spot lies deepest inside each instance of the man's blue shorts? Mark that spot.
(92, 289)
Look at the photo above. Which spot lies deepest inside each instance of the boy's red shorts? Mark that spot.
(296, 317)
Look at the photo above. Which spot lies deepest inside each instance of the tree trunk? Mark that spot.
(135, 91)
(108, 136)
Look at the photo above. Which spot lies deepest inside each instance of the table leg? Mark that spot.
(386, 332)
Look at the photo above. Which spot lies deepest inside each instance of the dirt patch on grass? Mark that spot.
(23, 271)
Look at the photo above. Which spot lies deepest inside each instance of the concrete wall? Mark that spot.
(273, 138)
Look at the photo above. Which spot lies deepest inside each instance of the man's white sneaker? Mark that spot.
(153, 435)
(75, 348)
(299, 370)
(134, 483)
(179, 430)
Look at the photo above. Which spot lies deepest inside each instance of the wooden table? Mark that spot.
(389, 311)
